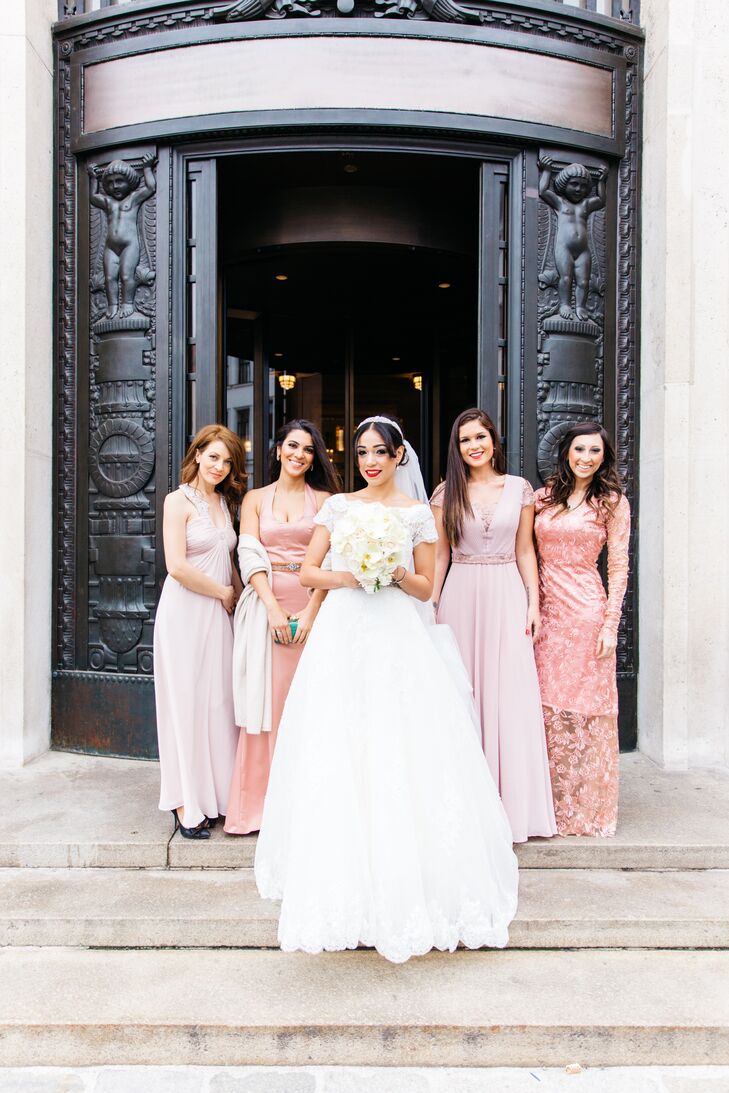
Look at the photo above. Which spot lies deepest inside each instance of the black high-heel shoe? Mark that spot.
(199, 832)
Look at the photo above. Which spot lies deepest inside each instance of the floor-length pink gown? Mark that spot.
(193, 653)
(484, 602)
(284, 543)
(579, 692)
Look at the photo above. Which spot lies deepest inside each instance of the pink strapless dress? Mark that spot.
(284, 543)
(484, 603)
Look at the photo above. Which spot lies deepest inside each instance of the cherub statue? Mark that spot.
(121, 198)
(569, 196)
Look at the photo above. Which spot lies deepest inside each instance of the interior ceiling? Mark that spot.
(264, 171)
(409, 200)
(330, 281)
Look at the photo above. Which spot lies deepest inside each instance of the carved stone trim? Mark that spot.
(66, 397)
(122, 391)
(627, 349)
(570, 348)
(108, 677)
(559, 26)
(139, 458)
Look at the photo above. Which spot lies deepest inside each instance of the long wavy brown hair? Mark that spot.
(233, 485)
(456, 502)
(605, 489)
(322, 474)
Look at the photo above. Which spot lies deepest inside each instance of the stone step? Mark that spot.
(221, 908)
(78, 810)
(76, 1007)
(575, 852)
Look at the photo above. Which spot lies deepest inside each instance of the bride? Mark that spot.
(382, 825)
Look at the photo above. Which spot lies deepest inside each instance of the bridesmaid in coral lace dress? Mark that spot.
(281, 516)
(490, 600)
(582, 508)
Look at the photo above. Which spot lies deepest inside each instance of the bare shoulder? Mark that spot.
(176, 502)
(178, 506)
(252, 498)
(322, 496)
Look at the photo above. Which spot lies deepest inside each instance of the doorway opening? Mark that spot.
(351, 331)
(345, 284)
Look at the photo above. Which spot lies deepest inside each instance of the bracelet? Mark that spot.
(404, 575)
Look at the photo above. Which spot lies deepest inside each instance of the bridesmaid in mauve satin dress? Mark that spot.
(193, 635)
(580, 510)
(490, 601)
(281, 516)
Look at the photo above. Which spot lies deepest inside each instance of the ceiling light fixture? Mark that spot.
(418, 382)
(444, 284)
(278, 354)
(282, 276)
(286, 381)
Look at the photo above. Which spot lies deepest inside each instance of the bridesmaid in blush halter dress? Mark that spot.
(281, 516)
(193, 635)
(582, 508)
(490, 599)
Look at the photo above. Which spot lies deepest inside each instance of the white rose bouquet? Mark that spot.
(372, 540)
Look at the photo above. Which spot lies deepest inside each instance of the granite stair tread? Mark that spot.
(65, 1006)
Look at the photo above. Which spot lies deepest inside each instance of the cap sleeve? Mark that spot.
(438, 495)
(332, 508)
(527, 494)
(423, 526)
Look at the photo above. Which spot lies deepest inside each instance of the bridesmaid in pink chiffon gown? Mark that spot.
(580, 510)
(193, 635)
(484, 601)
(281, 516)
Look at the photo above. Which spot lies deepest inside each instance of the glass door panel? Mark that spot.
(242, 335)
(306, 378)
(393, 369)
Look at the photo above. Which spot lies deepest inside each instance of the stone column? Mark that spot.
(683, 693)
(26, 312)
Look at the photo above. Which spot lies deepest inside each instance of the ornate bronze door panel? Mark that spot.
(541, 100)
(107, 562)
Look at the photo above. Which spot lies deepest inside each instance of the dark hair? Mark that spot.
(233, 485)
(392, 436)
(322, 474)
(456, 502)
(605, 489)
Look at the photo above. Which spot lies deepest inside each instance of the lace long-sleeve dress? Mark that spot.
(579, 692)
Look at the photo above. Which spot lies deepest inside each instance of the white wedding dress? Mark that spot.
(382, 825)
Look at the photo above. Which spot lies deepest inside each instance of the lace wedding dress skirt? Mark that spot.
(382, 825)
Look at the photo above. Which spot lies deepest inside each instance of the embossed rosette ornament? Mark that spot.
(372, 540)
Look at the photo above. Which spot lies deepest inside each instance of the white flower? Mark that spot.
(372, 540)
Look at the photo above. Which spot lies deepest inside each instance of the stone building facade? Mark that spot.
(409, 152)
